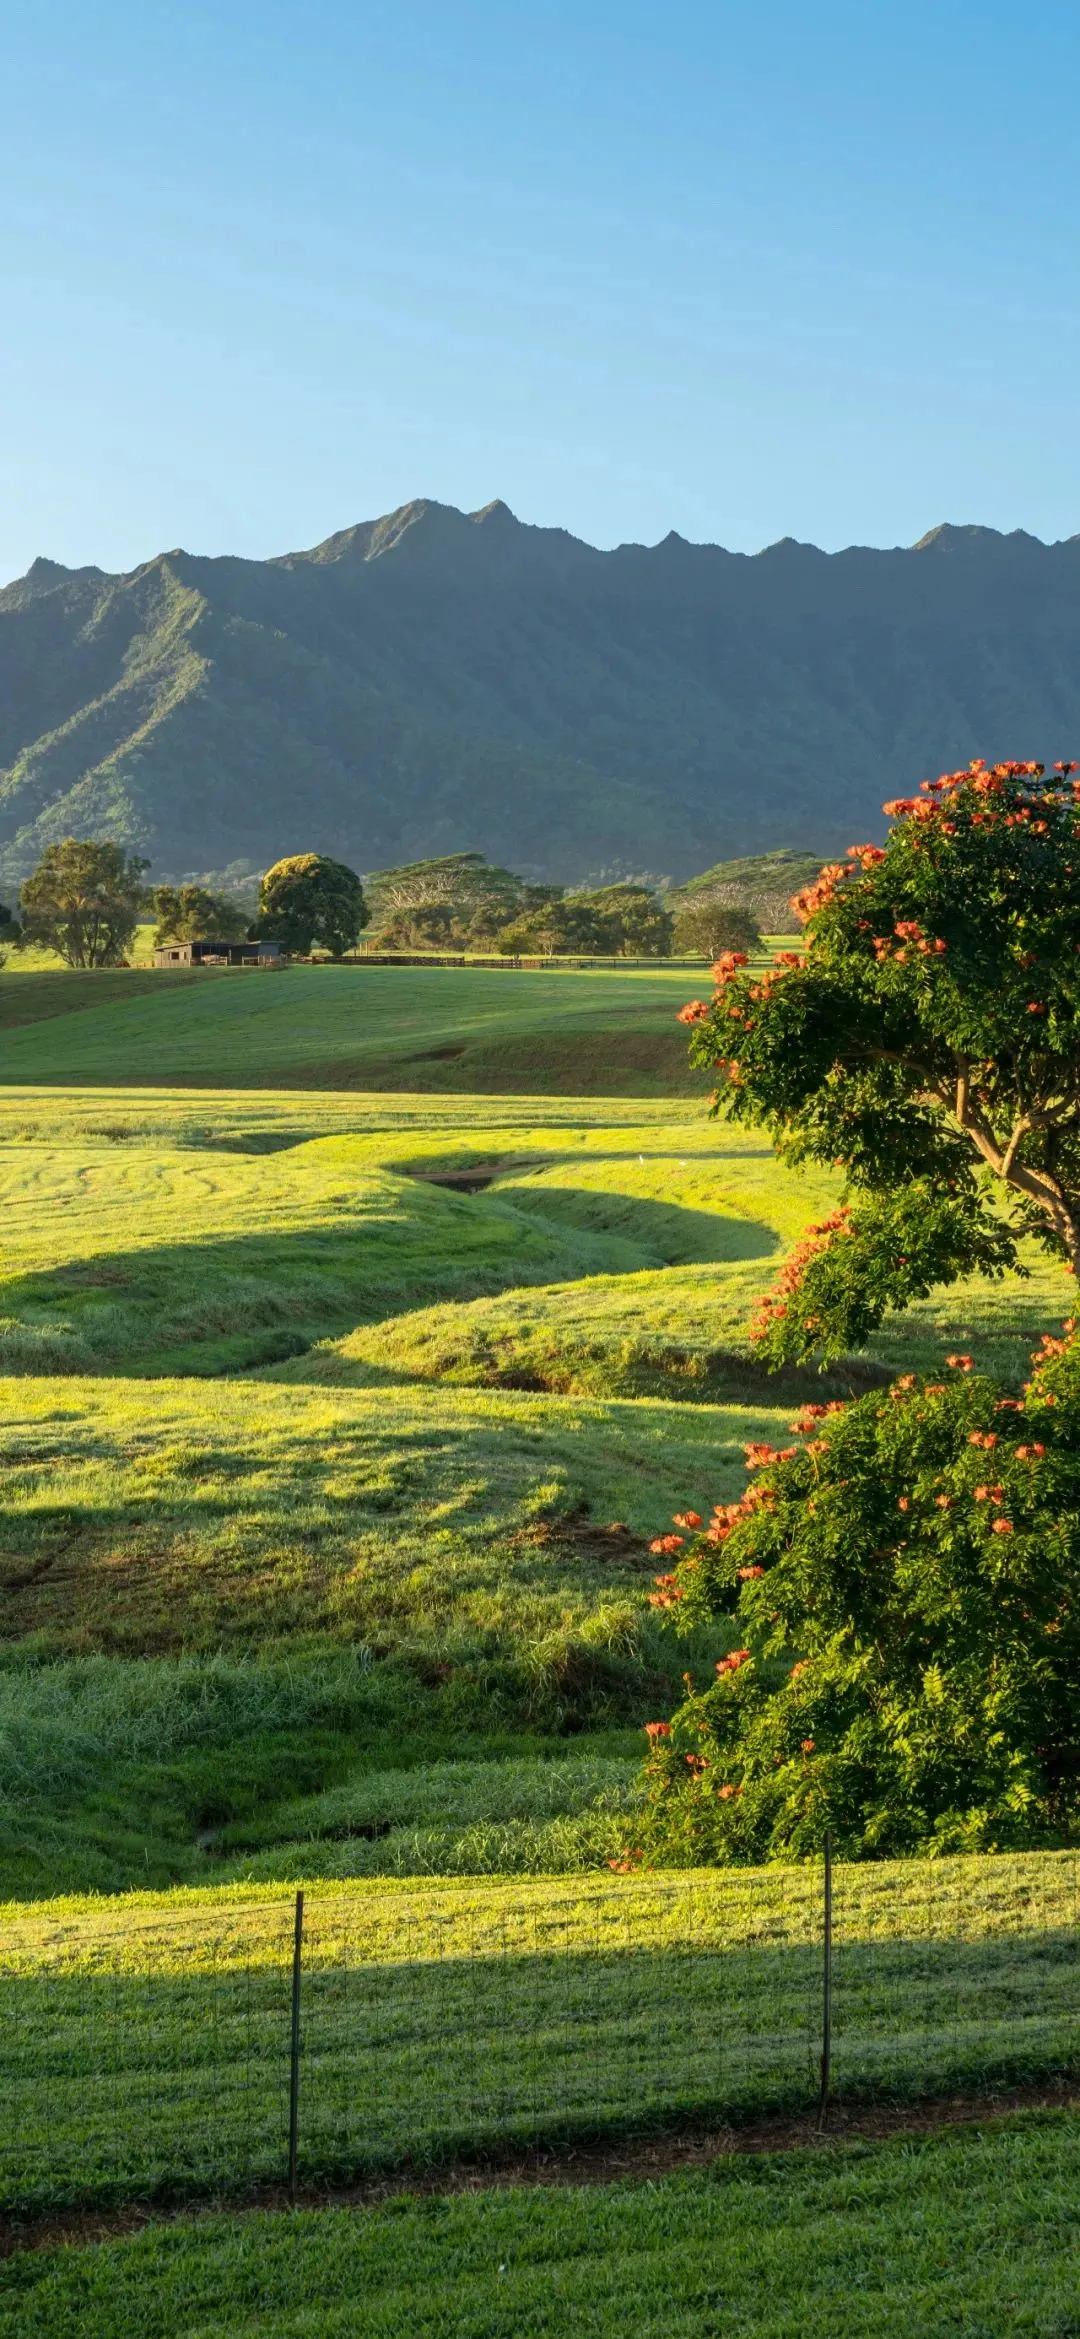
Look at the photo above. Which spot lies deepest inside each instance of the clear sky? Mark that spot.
(744, 268)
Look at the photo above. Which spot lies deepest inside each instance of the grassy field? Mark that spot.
(276, 1397)
(336, 1417)
(973, 2234)
(483, 1030)
(145, 2040)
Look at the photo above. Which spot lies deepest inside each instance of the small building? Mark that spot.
(219, 954)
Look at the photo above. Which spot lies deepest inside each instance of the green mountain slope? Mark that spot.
(435, 679)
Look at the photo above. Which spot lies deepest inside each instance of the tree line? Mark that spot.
(86, 899)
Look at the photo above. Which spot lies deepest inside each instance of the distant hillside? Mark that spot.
(433, 681)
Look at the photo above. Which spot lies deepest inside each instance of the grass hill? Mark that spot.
(435, 679)
(476, 1030)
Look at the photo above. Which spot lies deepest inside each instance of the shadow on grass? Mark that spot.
(133, 2079)
(234, 1305)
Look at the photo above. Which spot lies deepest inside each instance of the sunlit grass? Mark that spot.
(144, 2039)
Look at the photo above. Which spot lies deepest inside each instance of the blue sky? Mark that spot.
(744, 269)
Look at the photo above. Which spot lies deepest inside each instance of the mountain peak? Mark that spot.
(495, 514)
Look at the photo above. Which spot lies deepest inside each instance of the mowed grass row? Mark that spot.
(971, 2233)
(477, 1030)
(209, 1261)
(144, 2044)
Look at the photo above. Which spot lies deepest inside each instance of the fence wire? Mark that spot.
(147, 2049)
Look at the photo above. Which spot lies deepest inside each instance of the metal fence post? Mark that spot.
(294, 2043)
(826, 1985)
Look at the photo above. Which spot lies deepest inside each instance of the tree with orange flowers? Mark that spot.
(900, 1586)
(927, 1041)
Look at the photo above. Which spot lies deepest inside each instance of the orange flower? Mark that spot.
(656, 1730)
(1002, 1527)
(695, 1012)
(961, 1364)
(688, 1519)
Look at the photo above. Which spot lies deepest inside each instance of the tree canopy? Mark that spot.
(191, 913)
(620, 921)
(927, 1041)
(310, 900)
(711, 926)
(84, 900)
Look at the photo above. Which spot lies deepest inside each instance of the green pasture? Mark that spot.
(494, 1030)
(971, 2233)
(359, 1329)
(480, 1559)
(275, 1396)
(453, 2016)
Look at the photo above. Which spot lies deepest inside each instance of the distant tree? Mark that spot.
(311, 900)
(84, 901)
(635, 921)
(190, 913)
(558, 927)
(711, 926)
(473, 899)
(480, 929)
(430, 928)
(10, 930)
(624, 921)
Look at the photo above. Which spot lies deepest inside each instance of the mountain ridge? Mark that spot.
(434, 679)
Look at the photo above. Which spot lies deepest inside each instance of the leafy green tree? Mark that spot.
(928, 1042)
(711, 926)
(311, 900)
(561, 926)
(617, 921)
(460, 896)
(10, 930)
(636, 922)
(190, 913)
(901, 1589)
(431, 928)
(84, 900)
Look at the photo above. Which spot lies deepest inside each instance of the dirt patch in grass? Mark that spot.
(634, 2159)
